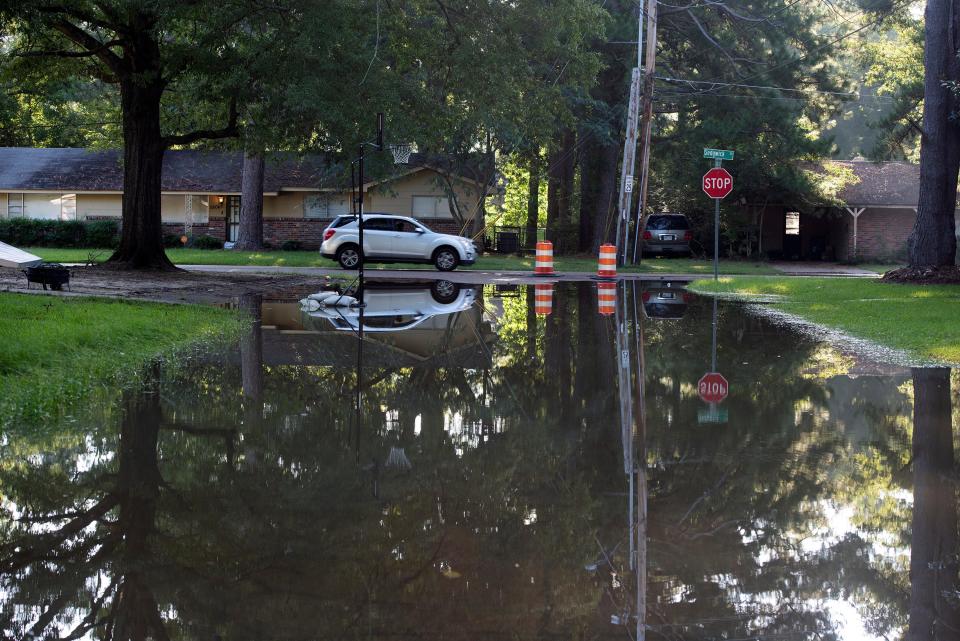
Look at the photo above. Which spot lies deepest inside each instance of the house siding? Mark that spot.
(396, 197)
(284, 214)
(882, 233)
(99, 206)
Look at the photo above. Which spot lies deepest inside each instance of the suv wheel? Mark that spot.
(446, 259)
(444, 292)
(349, 257)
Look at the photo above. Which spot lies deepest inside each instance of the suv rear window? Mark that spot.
(674, 221)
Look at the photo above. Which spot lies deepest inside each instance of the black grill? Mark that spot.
(53, 274)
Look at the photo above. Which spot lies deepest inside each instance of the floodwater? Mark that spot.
(492, 463)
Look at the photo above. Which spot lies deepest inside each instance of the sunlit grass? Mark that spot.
(59, 351)
(279, 258)
(917, 319)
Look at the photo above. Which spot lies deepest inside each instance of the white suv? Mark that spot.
(394, 239)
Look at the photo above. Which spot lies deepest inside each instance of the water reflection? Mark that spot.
(491, 472)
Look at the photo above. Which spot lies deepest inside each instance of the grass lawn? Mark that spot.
(917, 319)
(59, 351)
(486, 263)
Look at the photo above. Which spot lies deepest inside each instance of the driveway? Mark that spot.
(822, 269)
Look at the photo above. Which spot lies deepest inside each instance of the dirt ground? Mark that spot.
(924, 276)
(171, 287)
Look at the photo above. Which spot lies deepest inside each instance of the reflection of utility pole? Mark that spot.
(641, 472)
(634, 446)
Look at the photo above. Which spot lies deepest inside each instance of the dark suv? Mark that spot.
(666, 234)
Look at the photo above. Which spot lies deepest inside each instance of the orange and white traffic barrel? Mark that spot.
(606, 298)
(544, 264)
(543, 299)
(607, 267)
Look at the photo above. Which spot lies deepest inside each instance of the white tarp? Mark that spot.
(17, 258)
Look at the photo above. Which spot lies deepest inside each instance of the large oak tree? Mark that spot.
(179, 70)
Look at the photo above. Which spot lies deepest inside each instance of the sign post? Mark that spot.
(717, 183)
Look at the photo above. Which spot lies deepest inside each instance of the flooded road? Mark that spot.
(498, 462)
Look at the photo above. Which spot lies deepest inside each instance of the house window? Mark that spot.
(792, 224)
(325, 205)
(14, 205)
(431, 207)
(68, 207)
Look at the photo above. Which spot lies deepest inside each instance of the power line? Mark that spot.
(735, 84)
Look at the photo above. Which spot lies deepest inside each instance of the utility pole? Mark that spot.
(651, 63)
(629, 154)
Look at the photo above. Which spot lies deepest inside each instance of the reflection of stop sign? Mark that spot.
(717, 182)
(713, 387)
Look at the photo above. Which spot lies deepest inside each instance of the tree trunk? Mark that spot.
(533, 199)
(250, 233)
(589, 187)
(933, 241)
(603, 217)
(553, 193)
(141, 237)
(933, 555)
(560, 190)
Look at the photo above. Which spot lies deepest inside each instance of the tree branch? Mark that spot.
(230, 131)
(86, 40)
(66, 53)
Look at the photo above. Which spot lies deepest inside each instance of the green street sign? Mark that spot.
(713, 415)
(722, 154)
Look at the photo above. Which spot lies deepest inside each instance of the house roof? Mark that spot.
(190, 171)
(891, 183)
(68, 169)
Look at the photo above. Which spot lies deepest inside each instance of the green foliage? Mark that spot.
(60, 352)
(290, 245)
(59, 233)
(517, 175)
(206, 242)
(171, 241)
(895, 67)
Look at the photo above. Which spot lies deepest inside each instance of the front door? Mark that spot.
(233, 218)
(792, 248)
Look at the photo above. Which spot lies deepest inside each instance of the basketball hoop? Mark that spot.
(401, 154)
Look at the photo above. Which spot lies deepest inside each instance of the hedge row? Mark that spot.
(25, 232)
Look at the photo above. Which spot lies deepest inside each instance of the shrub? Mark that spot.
(103, 233)
(207, 242)
(26, 232)
(171, 240)
(291, 245)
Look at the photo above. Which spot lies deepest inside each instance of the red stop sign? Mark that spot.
(717, 183)
(713, 387)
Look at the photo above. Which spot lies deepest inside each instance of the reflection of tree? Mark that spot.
(487, 532)
(112, 539)
(934, 611)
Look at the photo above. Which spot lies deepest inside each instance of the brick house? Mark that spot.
(201, 190)
(874, 214)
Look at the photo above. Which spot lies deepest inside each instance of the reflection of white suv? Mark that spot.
(397, 307)
(394, 239)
